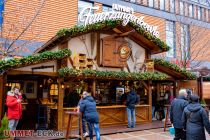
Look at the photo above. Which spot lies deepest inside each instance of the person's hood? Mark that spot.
(132, 92)
(89, 98)
(9, 93)
(193, 107)
(182, 97)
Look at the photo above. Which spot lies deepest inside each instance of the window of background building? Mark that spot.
(195, 0)
(207, 15)
(191, 10)
(171, 38)
(82, 5)
(106, 8)
(151, 3)
(203, 14)
(199, 13)
(204, 2)
(1, 11)
(162, 4)
(133, 1)
(181, 8)
(185, 44)
(172, 6)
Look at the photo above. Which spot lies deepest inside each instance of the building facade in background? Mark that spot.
(183, 24)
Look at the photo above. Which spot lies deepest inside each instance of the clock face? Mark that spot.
(124, 51)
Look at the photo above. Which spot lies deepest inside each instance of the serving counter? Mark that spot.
(113, 115)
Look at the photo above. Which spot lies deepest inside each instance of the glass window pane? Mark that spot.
(190, 10)
(133, 1)
(181, 8)
(106, 8)
(185, 41)
(172, 6)
(202, 14)
(81, 6)
(199, 13)
(169, 25)
(170, 38)
(151, 3)
(162, 4)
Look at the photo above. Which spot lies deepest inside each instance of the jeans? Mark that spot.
(179, 134)
(13, 124)
(153, 111)
(83, 125)
(96, 128)
(131, 117)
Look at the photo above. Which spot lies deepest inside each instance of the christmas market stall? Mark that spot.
(101, 56)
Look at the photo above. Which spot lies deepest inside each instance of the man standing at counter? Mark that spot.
(88, 108)
(130, 106)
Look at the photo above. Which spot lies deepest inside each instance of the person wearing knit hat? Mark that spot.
(177, 108)
(195, 119)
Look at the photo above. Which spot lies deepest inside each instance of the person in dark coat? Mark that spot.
(177, 108)
(130, 106)
(195, 119)
(88, 108)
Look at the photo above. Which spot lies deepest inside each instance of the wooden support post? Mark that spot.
(94, 88)
(201, 87)
(60, 104)
(174, 89)
(150, 99)
(2, 94)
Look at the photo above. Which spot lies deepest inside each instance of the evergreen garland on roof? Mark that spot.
(33, 59)
(107, 25)
(118, 75)
(187, 74)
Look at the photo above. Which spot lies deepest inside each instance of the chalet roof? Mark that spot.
(173, 70)
(46, 56)
(140, 36)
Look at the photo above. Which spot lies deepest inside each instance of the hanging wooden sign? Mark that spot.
(124, 51)
(150, 65)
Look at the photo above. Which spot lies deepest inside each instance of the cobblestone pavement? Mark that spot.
(153, 134)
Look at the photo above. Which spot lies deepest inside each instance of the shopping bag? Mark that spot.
(172, 130)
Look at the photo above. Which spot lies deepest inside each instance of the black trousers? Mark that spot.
(179, 134)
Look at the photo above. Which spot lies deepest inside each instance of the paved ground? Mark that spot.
(153, 134)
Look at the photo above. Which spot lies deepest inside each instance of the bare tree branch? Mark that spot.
(37, 13)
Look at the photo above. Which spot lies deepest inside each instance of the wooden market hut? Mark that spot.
(105, 56)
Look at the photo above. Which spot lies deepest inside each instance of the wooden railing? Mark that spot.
(113, 115)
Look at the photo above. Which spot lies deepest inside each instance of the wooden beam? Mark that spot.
(2, 94)
(94, 88)
(126, 33)
(60, 103)
(145, 85)
(98, 50)
(18, 72)
(174, 88)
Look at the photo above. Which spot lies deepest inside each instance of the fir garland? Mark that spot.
(34, 59)
(188, 75)
(107, 25)
(121, 75)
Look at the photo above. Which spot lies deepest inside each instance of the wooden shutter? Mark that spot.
(110, 53)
